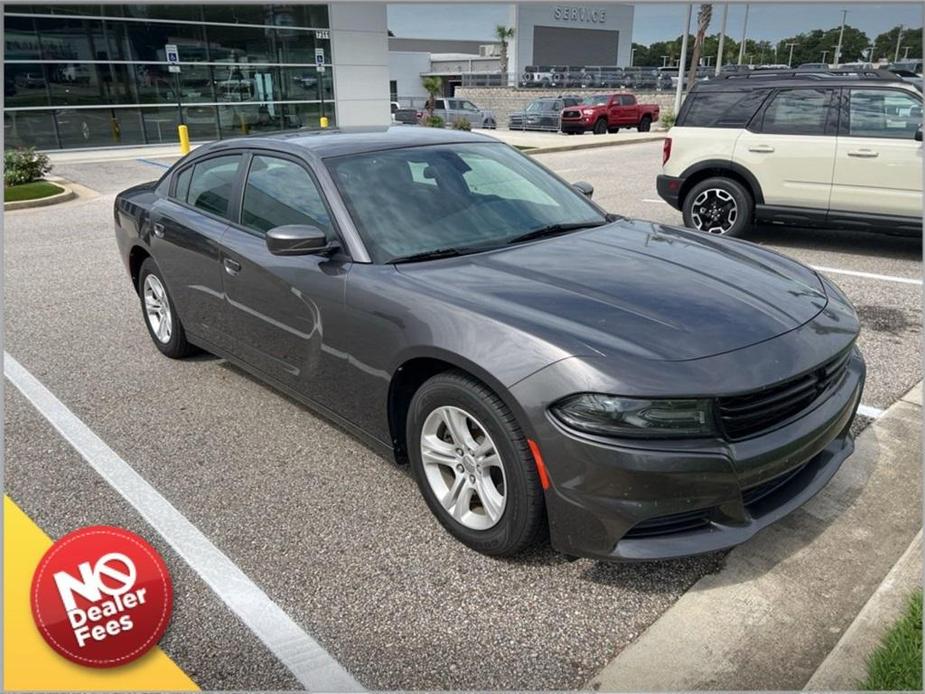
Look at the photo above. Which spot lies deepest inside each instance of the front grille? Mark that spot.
(571, 114)
(667, 525)
(742, 416)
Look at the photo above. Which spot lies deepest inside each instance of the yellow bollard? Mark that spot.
(184, 139)
(323, 122)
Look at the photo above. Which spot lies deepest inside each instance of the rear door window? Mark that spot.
(887, 113)
(211, 184)
(732, 109)
(797, 112)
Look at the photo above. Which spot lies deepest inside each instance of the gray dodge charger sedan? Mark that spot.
(631, 390)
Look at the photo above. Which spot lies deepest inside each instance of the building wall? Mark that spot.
(406, 68)
(564, 17)
(360, 52)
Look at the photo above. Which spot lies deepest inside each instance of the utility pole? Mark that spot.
(722, 39)
(824, 54)
(790, 59)
(683, 59)
(665, 60)
(632, 56)
(744, 34)
(841, 36)
(906, 52)
(899, 39)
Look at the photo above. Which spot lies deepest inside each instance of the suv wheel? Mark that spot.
(718, 206)
(600, 126)
(473, 466)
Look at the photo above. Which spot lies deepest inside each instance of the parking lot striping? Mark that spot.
(869, 411)
(154, 163)
(655, 200)
(313, 666)
(868, 275)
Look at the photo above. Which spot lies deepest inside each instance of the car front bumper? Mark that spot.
(669, 189)
(662, 499)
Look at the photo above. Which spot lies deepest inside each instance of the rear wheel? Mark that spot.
(718, 206)
(160, 314)
(473, 466)
(645, 124)
(600, 127)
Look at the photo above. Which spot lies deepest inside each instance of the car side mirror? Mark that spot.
(584, 188)
(918, 134)
(296, 239)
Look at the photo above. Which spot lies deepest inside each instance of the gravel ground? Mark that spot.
(336, 535)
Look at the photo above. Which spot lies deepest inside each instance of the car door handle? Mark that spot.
(865, 153)
(232, 267)
(761, 149)
(159, 230)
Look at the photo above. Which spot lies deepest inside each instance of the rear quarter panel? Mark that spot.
(691, 146)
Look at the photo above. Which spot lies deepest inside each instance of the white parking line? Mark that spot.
(868, 411)
(868, 275)
(654, 200)
(312, 666)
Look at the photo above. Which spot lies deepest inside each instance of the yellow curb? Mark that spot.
(28, 662)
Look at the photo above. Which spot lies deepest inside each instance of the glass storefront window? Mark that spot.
(29, 129)
(306, 84)
(99, 127)
(21, 41)
(146, 40)
(157, 85)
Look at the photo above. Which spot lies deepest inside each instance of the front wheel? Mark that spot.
(718, 206)
(473, 465)
(600, 127)
(160, 313)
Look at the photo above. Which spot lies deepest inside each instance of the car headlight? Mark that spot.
(612, 415)
(588, 112)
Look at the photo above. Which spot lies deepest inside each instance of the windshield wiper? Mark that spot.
(554, 230)
(431, 255)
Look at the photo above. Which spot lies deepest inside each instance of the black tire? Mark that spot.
(600, 126)
(523, 520)
(744, 207)
(176, 347)
(645, 124)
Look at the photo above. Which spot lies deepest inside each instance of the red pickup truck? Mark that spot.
(607, 113)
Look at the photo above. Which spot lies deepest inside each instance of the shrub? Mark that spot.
(24, 166)
(462, 124)
(667, 119)
(433, 121)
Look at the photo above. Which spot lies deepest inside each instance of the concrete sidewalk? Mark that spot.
(784, 599)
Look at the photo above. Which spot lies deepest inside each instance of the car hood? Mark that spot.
(633, 288)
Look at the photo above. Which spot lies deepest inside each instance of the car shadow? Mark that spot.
(844, 241)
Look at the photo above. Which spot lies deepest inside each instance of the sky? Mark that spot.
(659, 22)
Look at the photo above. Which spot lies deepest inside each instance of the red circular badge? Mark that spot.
(101, 596)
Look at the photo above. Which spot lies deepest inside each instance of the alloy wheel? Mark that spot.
(157, 309)
(714, 211)
(463, 468)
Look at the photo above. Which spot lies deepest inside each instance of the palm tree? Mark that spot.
(503, 34)
(704, 15)
(433, 86)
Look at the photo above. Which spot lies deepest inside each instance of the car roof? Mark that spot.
(758, 79)
(338, 142)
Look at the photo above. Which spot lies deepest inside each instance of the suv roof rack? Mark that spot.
(860, 73)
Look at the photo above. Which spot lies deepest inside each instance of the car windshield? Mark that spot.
(596, 100)
(537, 106)
(453, 198)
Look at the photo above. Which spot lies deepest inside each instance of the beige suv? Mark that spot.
(828, 149)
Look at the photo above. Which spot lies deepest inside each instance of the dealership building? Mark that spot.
(78, 76)
(100, 75)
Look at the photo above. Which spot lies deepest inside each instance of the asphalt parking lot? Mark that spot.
(338, 537)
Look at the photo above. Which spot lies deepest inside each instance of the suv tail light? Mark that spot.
(666, 150)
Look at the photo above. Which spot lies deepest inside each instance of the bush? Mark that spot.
(433, 121)
(462, 124)
(24, 166)
(667, 119)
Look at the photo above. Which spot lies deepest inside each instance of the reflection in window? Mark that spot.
(884, 113)
(797, 112)
(281, 192)
(211, 184)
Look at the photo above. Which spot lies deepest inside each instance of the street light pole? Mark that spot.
(683, 60)
(632, 56)
(790, 59)
(824, 54)
(744, 34)
(899, 39)
(841, 36)
(722, 39)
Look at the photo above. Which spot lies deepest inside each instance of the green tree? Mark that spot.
(433, 86)
(885, 44)
(503, 34)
